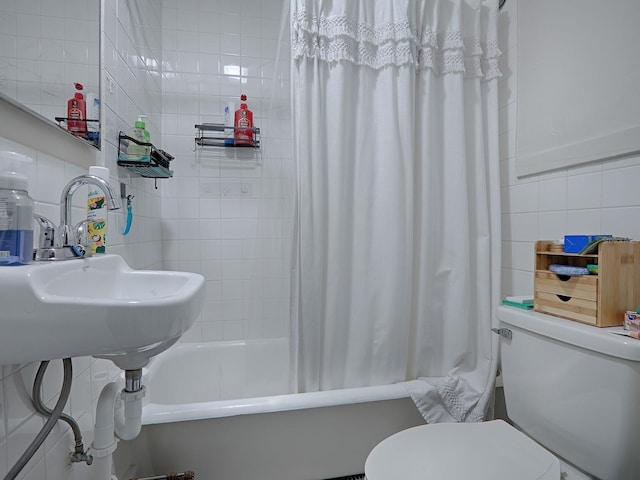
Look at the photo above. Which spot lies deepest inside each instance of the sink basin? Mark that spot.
(95, 306)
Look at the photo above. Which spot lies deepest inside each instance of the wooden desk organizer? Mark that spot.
(599, 300)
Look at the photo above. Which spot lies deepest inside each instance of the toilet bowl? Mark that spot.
(454, 451)
(571, 390)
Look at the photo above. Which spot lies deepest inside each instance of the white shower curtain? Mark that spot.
(396, 142)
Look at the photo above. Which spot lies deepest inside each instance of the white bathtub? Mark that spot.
(223, 410)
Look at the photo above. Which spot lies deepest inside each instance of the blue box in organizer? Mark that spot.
(575, 243)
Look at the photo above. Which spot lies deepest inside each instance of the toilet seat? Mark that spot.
(452, 451)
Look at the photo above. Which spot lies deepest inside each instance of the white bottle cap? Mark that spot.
(12, 167)
(102, 172)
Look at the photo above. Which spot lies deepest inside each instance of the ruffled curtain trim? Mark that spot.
(339, 38)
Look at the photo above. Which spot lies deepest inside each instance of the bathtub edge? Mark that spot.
(158, 413)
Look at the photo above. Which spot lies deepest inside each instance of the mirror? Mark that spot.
(578, 77)
(46, 46)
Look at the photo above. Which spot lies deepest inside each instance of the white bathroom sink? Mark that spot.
(95, 306)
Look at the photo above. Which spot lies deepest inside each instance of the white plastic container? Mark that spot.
(16, 211)
(632, 321)
(136, 151)
(93, 113)
(229, 112)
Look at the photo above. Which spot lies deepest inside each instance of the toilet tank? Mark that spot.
(575, 389)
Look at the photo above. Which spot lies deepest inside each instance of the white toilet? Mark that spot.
(573, 388)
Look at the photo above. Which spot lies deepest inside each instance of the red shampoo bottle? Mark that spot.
(244, 124)
(77, 113)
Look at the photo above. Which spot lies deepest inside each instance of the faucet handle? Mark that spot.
(47, 238)
(82, 232)
(61, 243)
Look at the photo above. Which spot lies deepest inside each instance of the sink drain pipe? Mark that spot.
(118, 413)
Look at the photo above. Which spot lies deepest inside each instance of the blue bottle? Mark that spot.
(16, 215)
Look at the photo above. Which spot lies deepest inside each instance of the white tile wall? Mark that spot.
(227, 207)
(133, 87)
(18, 424)
(599, 198)
(216, 212)
(44, 48)
(223, 217)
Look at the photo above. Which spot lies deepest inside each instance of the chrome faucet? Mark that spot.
(69, 241)
(69, 234)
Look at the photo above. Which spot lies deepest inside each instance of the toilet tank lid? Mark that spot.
(574, 333)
